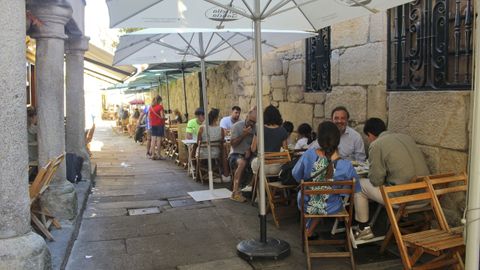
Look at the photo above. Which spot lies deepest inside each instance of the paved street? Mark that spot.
(184, 235)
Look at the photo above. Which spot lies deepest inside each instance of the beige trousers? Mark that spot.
(361, 199)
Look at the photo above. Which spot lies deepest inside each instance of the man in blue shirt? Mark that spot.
(351, 145)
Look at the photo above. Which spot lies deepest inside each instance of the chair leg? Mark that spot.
(307, 248)
(254, 188)
(386, 240)
(349, 244)
(271, 203)
(41, 227)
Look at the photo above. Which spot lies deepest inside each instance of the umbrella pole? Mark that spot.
(265, 248)
(472, 222)
(205, 109)
(168, 92)
(185, 94)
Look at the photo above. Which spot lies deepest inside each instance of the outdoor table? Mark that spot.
(190, 168)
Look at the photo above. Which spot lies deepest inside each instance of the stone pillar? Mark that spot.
(60, 198)
(20, 248)
(75, 101)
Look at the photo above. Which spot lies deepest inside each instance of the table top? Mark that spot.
(362, 168)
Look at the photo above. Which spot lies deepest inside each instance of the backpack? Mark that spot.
(285, 176)
(139, 134)
(74, 167)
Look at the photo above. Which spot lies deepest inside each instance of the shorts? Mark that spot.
(158, 131)
(232, 159)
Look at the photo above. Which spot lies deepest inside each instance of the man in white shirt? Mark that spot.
(227, 122)
(351, 145)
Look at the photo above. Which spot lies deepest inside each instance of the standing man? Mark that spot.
(240, 154)
(227, 122)
(394, 159)
(351, 145)
(194, 124)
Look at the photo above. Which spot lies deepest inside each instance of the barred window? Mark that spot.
(317, 58)
(430, 45)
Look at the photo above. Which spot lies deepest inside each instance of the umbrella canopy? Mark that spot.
(190, 45)
(137, 102)
(159, 45)
(280, 14)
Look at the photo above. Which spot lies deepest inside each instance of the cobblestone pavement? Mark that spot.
(188, 236)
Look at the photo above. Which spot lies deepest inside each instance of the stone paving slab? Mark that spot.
(234, 263)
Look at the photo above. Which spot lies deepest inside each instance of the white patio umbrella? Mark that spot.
(189, 45)
(308, 15)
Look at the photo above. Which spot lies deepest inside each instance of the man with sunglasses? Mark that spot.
(240, 154)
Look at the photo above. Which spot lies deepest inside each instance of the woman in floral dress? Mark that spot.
(320, 165)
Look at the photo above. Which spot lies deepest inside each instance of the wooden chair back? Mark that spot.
(438, 242)
(89, 135)
(276, 157)
(201, 171)
(446, 185)
(343, 188)
(38, 182)
(51, 172)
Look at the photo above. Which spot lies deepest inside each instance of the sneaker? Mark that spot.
(247, 189)
(226, 178)
(238, 198)
(365, 234)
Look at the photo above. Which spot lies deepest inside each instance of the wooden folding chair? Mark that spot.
(39, 213)
(201, 170)
(347, 188)
(410, 226)
(276, 192)
(447, 185)
(88, 138)
(442, 243)
(34, 191)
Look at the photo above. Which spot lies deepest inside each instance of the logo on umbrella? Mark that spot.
(354, 3)
(221, 14)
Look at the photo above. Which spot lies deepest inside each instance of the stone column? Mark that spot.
(60, 198)
(75, 101)
(20, 248)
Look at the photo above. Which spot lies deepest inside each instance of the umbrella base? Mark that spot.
(253, 249)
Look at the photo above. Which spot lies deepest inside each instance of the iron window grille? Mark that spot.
(317, 58)
(430, 45)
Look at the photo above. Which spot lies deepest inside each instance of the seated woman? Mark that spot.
(276, 138)
(320, 165)
(216, 134)
(305, 136)
(177, 117)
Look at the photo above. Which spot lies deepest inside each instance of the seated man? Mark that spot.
(228, 121)
(351, 143)
(240, 154)
(194, 124)
(394, 159)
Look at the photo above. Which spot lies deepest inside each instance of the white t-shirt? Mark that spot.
(226, 122)
(302, 143)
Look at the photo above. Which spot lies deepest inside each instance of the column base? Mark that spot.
(86, 170)
(61, 200)
(28, 251)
